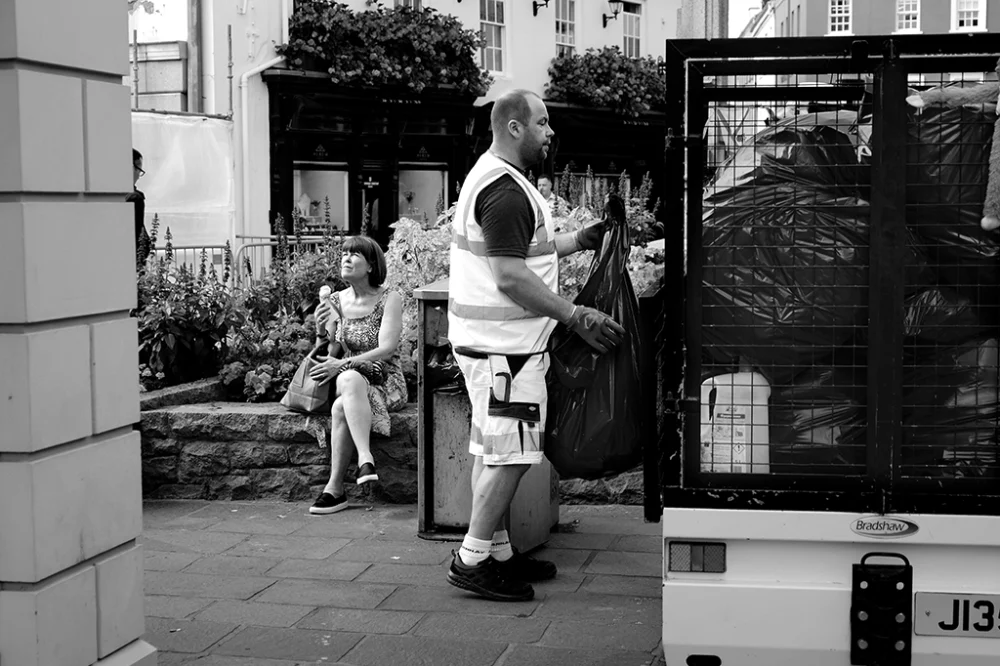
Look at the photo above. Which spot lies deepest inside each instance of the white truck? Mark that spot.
(829, 470)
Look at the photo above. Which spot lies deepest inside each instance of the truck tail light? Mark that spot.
(693, 556)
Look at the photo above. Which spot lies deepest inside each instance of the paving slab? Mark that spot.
(632, 586)
(320, 569)
(422, 651)
(252, 510)
(424, 575)
(254, 613)
(361, 621)
(451, 599)
(567, 560)
(532, 655)
(624, 636)
(161, 511)
(609, 519)
(328, 593)
(229, 565)
(494, 628)
(190, 541)
(219, 660)
(413, 551)
(580, 606)
(166, 561)
(185, 635)
(626, 564)
(288, 644)
(258, 525)
(563, 582)
(175, 608)
(306, 548)
(580, 541)
(327, 526)
(639, 543)
(204, 586)
(173, 658)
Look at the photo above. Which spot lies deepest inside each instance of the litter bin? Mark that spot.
(444, 466)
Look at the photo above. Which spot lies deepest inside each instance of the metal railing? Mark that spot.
(253, 258)
(190, 256)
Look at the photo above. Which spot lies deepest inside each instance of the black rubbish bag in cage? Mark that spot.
(810, 149)
(818, 420)
(940, 315)
(951, 410)
(785, 277)
(594, 421)
(948, 166)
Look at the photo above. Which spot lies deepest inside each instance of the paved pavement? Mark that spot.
(267, 584)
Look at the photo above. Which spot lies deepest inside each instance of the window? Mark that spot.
(798, 22)
(968, 15)
(316, 184)
(631, 16)
(791, 24)
(565, 27)
(907, 15)
(491, 22)
(840, 17)
(412, 4)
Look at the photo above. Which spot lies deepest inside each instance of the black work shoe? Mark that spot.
(487, 580)
(366, 473)
(526, 568)
(327, 503)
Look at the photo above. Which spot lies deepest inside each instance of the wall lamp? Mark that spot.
(536, 5)
(616, 7)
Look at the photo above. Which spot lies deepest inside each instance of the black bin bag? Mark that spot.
(594, 423)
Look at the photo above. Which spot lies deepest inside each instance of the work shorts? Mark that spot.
(508, 409)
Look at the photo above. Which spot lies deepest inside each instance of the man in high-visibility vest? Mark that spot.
(503, 306)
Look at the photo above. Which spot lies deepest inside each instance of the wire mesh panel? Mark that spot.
(841, 314)
(784, 278)
(952, 303)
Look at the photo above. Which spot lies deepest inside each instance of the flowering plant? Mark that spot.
(262, 358)
(606, 77)
(402, 46)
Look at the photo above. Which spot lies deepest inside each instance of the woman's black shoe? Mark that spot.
(327, 503)
(366, 473)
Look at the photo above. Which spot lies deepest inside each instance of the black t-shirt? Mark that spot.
(507, 218)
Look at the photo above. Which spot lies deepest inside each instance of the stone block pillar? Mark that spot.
(70, 490)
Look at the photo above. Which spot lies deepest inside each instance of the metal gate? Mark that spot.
(832, 305)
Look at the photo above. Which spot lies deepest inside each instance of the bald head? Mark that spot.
(512, 105)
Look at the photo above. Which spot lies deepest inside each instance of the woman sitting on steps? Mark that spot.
(365, 321)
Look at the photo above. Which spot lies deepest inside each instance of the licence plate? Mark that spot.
(973, 615)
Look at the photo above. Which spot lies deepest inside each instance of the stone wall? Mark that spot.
(240, 451)
(229, 450)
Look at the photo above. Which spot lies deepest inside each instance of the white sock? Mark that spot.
(473, 551)
(500, 549)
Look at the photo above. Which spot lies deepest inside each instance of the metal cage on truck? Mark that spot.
(830, 246)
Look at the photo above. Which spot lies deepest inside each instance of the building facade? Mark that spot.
(818, 18)
(233, 44)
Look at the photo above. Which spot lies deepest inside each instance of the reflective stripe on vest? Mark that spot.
(490, 312)
(541, 246)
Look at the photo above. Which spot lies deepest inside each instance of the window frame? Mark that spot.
(829, 19)
(898, 15)
(500, 7)
(416, 5)
(983, 5)
(635, 17)
(563, 47)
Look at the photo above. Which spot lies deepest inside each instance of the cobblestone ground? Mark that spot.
(267, 584)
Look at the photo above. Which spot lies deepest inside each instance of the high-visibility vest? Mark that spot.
(480, 316)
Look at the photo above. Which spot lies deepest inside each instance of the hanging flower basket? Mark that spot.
(607, 78)
(399, 48)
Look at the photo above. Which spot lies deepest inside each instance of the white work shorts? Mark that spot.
(506, 429)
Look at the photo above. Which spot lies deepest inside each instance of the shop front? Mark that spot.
(364, 157)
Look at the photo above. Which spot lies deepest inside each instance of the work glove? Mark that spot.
(596, 328)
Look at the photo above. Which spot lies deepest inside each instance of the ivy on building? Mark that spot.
(607, 78)
(400, 47)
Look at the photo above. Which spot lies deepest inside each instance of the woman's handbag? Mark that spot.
(305, 394)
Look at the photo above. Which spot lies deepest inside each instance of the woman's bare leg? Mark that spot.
(341, 449)
(352, 389)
